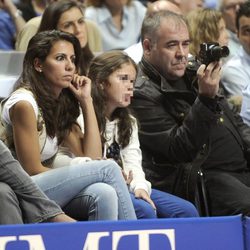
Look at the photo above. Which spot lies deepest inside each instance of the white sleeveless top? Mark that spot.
(50, 148)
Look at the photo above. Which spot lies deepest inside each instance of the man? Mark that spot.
(135, 50)
(236, 74)
(229, 9)
(182, 123)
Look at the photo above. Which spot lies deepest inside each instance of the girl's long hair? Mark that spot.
(100, 69)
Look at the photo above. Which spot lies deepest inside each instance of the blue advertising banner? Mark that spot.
(212, 233)
(246, 224)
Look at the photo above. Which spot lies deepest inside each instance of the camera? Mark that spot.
(211, 52)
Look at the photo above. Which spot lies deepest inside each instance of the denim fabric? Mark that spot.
(167, 206)
(64, 184)
(99, 200)
(35, 206)
(9, 206)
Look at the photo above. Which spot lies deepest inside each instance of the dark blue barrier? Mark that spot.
(220, 233)
(246, 224)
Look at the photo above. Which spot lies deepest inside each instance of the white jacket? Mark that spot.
(131, 155)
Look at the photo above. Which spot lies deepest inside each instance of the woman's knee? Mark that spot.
(112, 169)
(102, 191)
(103, 201)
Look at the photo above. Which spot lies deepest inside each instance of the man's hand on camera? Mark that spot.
(209, 79)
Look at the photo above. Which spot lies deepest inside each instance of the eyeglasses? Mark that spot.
(114, 152)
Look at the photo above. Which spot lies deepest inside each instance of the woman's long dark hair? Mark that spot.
(100, 69)
(50, 20)
(59, 114)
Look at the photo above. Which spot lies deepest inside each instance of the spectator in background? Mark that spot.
(119, 21)
(53, 13)
(210, 4)
(11, 22)
(206, 26)
(183, 120)
(113, 74)
(240, 68)
(188, 5)
(236, 72)
(31, 8)
(135, 51)
(229, 9)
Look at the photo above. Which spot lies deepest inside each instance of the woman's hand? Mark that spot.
(81, 87)
(142, 194)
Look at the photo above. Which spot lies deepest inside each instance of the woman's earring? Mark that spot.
(101, 86)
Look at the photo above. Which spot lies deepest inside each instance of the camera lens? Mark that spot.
(211, 52)
(218, 52)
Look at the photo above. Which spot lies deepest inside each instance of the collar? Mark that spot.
(244, 54)
(104, 13)
(233, 36)
(151, 72)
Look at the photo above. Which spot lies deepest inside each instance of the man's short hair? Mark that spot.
(244, 10)
(152, 22)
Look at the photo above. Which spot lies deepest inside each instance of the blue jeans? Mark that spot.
(92, 190)
(167, 206)
(20, 199)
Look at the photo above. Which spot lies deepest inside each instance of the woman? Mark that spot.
(206, 25)
(119, 21)
(113, 74)
(41, 115)
(68, 16)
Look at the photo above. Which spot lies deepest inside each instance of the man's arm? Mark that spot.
(15, 14)
(161, 133)
(177, 133)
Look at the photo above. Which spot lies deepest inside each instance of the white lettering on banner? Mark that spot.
(5, 240)
(92, 240)
(35, 241)
(143, 237)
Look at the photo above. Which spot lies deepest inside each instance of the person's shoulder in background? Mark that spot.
(28, 31)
